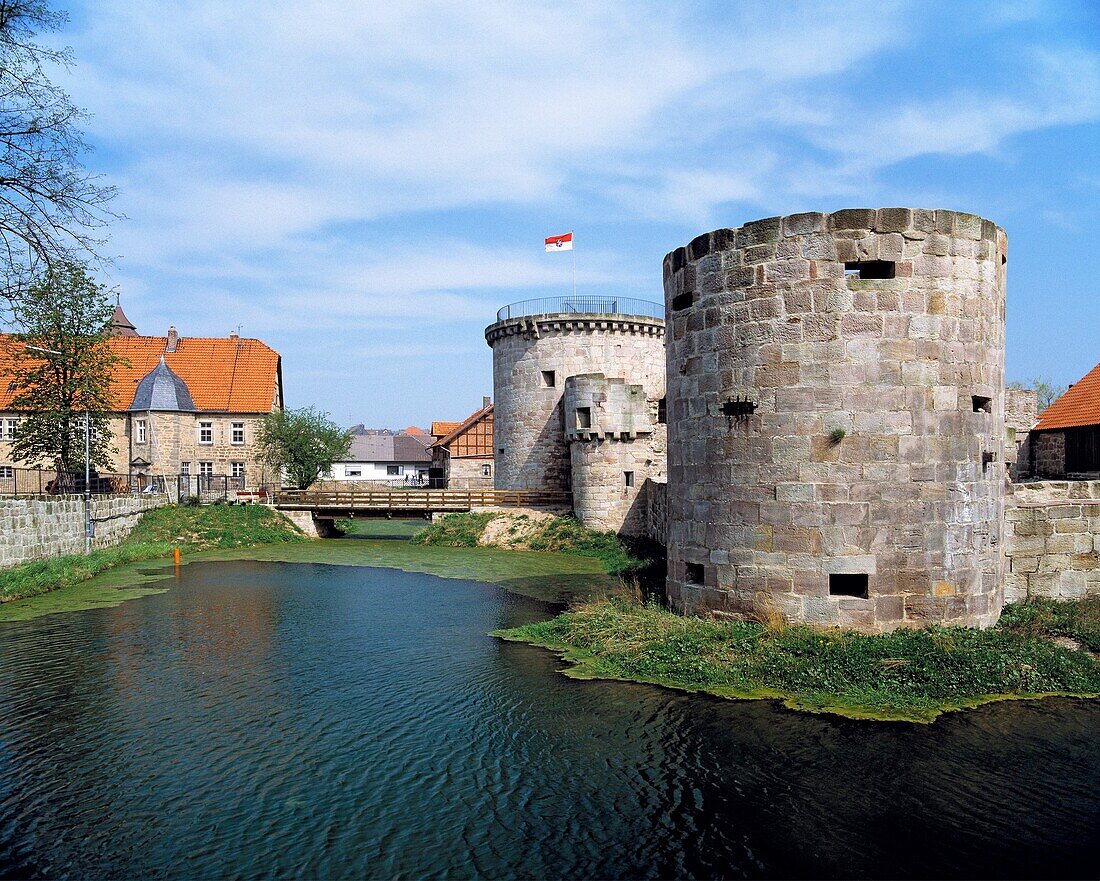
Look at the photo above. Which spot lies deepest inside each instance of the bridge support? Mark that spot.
(312, 525)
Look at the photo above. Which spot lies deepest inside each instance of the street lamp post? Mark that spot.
(89, 527)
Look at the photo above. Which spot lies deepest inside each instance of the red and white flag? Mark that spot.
(560, 243)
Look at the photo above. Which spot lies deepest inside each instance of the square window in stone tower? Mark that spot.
(549, 379)
(848, 584)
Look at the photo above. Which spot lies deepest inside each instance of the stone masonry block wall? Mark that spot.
(1052, 540)
(1021, 413)
(887, 325)
(613, 451)
(1047, 453)
(173, 438)
(532, 358)
(656, 497)
(40, 528)
(469, 473)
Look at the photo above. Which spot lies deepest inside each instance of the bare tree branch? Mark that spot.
(51, 209)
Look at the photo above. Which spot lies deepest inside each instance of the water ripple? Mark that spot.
(264, 719)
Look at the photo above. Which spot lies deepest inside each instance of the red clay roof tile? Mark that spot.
(222, 374)
(1079, 406)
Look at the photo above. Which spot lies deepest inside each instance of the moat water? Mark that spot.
(272, 719)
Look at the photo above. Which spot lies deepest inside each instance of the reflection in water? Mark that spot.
(302, 719)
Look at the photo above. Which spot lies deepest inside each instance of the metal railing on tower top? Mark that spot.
(586, 305)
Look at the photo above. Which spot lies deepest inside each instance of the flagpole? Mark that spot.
(574, 250)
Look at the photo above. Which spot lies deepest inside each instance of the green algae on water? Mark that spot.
(557, 578)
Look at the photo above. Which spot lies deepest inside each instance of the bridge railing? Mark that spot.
(420, 499)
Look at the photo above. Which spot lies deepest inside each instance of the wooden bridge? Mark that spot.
(385, 502)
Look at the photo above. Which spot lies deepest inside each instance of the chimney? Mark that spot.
(233, 335)
(173, 338)
(485, 402)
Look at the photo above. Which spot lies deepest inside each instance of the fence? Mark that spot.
(180, 487)
(418, 500)
(48, 482)
(582, 305)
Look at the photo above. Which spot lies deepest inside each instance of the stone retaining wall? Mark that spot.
(656, 497)
(39, 528)
(1052, 540)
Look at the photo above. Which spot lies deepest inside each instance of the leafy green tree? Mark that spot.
(50, 206)
(1046, 392)
(302, 444)
(62, 370)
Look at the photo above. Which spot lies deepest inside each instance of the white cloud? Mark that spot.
(309, 168)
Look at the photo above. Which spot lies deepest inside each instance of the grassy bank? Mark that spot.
(618, 556)
(910, 675)
(156, 534)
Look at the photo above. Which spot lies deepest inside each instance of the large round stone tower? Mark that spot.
(836, 418)
(538, 345)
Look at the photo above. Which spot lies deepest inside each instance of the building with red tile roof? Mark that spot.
(462, 452)
(1066, 440)
(182, 405)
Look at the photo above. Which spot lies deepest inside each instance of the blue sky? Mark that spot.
(362, 185)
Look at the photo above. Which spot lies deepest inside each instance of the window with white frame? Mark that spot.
(392, 470)
(353, 472)
(11, 429)
(7, 472)
(486, 470)
(236, 434)
(139, 431)
(206, 433)
(236, 469)
(206, 469)
(185, 469)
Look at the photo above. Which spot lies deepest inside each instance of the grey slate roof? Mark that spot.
(388, 448)
(161, 389)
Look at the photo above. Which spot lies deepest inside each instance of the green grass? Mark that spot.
(618, 556)
(156, 534)
(1077, 619)
(455, 531)
(910, 675)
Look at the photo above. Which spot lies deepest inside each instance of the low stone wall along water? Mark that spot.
(1052, 540)
(39, 528)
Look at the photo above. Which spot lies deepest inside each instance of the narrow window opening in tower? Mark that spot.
(584, 417)
(500, 451)
(694, 573)
(628, 478)
(683, 301)
(662, 412)
(848, 585)
(982, 404)
(549, 379)
(871, 269)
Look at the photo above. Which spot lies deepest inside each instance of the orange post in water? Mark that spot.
(176, 556)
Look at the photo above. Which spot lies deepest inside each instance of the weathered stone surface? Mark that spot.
(616, 456)
(42, 527)
(532, 451)
(1052, 539)
(906, 497)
